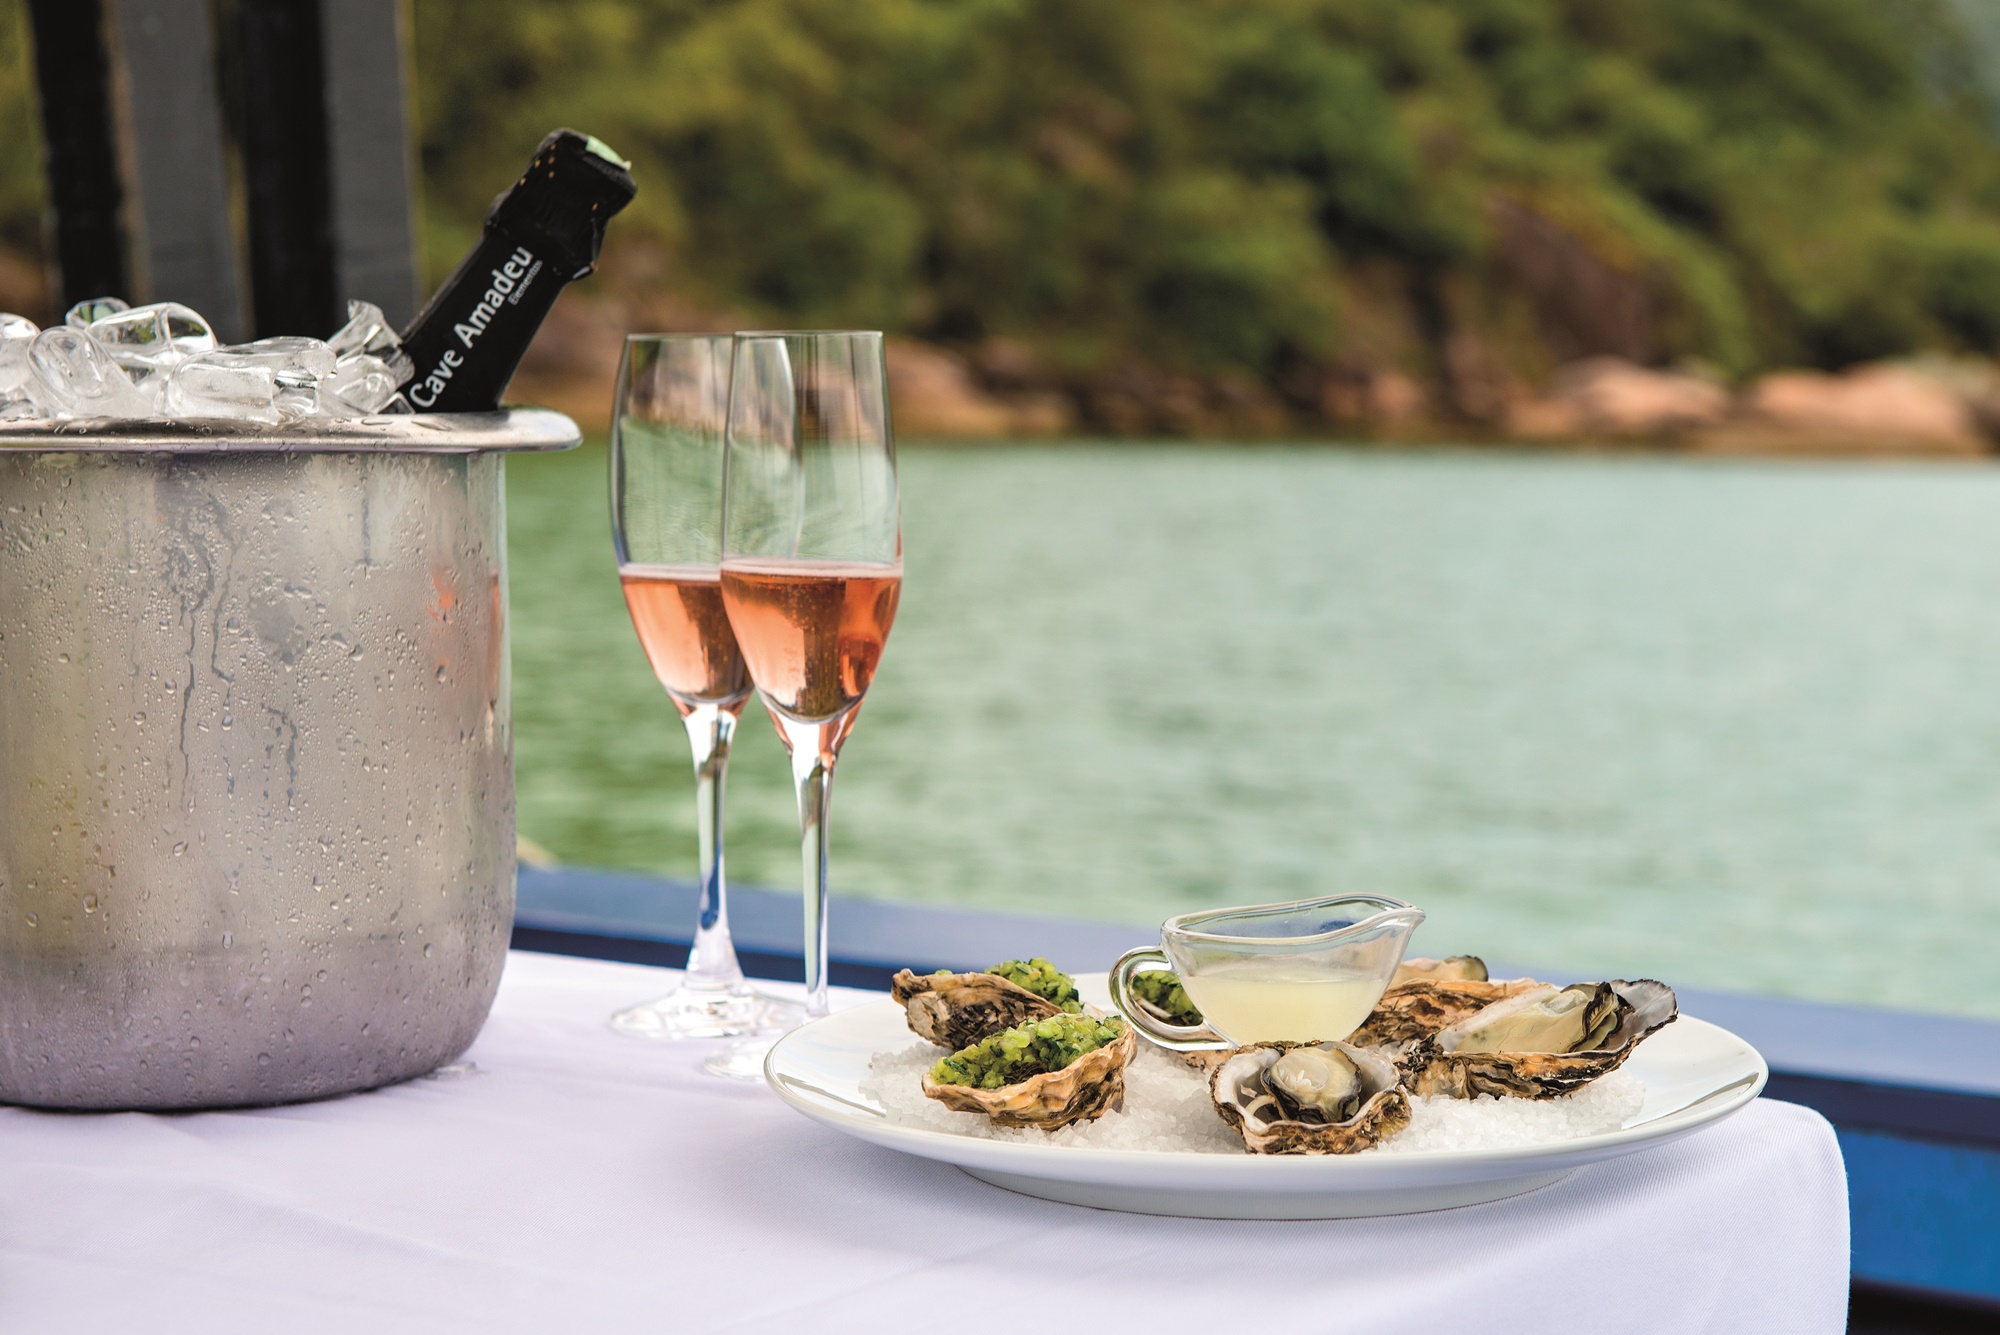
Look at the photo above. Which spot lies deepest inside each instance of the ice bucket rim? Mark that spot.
(510, 429)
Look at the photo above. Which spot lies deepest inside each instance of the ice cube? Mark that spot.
(14, 365)
(72, 376)
(150, 341)
(89, 311)
(15, 336)
(363, 382)
(151, 336)
(274, 380)
(367, 330)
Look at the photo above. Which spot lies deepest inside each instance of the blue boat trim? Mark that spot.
(1938, 1115)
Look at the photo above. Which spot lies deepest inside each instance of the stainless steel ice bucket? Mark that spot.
(257, 840)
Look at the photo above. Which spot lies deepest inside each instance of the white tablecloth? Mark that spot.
(580, 1181)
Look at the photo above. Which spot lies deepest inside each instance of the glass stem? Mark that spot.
(812, 747)
(711, 965)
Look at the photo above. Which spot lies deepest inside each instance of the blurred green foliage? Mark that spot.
(1197, 183)
(1790, 180)
(21, 191)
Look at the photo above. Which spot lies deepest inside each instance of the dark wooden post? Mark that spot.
(73, 75)
(286, 178)
(182, 245)
(372, 150)
(327, 158)
(133, 116)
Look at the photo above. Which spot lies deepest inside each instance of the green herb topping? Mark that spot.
(1042, 978)
(1026, 1050)
(1163, 992)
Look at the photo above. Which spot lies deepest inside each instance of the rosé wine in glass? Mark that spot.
(667, 464)
(685, 632)
(812, 569)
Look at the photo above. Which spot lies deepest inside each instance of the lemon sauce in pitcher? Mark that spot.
(1262, 1001)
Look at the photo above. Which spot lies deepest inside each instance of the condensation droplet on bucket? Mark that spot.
(427, 950)
(34, 920)
(263, 1059)
(228, 940)
(180, 848)
(90, 903)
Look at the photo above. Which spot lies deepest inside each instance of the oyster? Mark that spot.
(1071, 1086)
(1458, 968)
(956, 1010)
(1549, 1019)
(1315, 1084)
(1309, 1098)
(1552, 1040)
(1416, 1010)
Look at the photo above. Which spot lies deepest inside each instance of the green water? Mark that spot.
(1720, 723)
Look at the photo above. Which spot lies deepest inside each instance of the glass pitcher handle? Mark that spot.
(1181, 1038)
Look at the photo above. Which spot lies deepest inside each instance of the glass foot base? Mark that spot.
(742, 1061)
(691, 1013)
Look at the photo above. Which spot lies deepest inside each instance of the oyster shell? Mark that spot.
(1087, 1088)
(1458, 968)
(1275, 1096)
(956, 1010)
(1416, 1010)
(1445, 1063)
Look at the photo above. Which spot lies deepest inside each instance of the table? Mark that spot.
(580, 1181)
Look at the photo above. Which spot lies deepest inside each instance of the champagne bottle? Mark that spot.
(542, 233)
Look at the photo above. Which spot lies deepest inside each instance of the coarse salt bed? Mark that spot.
(1490, 1123)
(1167, 1108)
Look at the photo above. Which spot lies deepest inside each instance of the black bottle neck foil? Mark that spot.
(542, 233)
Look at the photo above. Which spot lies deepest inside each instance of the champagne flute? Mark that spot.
(812, 566)
(667, 461)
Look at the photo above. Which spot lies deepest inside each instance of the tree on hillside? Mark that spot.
(1284, 191)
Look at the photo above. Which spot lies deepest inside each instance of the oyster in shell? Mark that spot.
(1548, 1019)
(1460, 1060)
(1457, 969)
(1416, 1010)
(956, 1010)
(1314, 1084)
(1309, 1098)
(1088, 1087)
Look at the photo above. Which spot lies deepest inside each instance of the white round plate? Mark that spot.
(1695, 1073)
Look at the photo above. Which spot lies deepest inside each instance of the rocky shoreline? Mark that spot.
(1921, 407)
